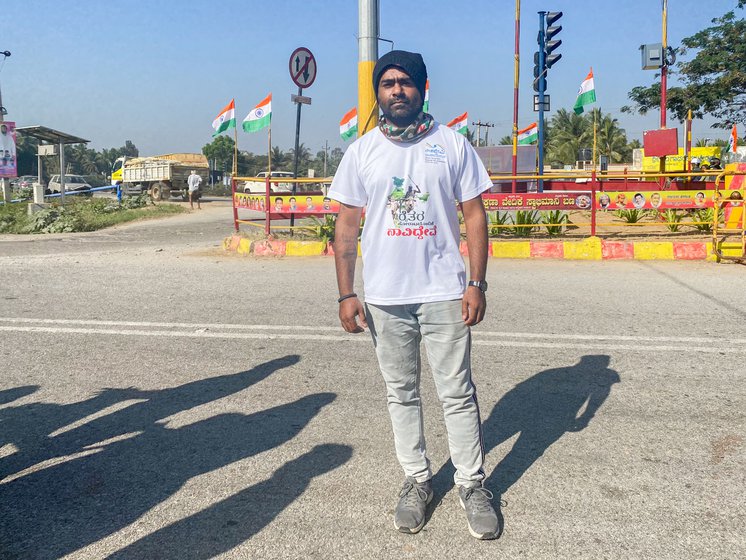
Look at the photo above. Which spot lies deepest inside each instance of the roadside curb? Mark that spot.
(591, 248)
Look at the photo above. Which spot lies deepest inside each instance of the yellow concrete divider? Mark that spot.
(727, 248)
(653, 250)
(244, 247)
(305, 248)
(588, 249)
(511, 249)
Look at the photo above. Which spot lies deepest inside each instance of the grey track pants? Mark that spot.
(397, 331)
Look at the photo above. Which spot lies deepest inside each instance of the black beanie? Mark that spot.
(411, 63)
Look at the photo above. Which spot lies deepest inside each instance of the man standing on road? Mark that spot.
(194, 181)
(411, 173)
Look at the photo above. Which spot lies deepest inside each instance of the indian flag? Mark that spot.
(260, 116)
(586, 94)
(529, 135)
(459, 123)
(348, 124)
(226, 119)
(733, 140)
(426, 101)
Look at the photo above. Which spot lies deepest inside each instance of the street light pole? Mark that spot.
(7, 195)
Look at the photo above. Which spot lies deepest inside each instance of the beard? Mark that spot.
(401, 111)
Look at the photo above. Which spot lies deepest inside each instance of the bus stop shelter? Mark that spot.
(51, 142)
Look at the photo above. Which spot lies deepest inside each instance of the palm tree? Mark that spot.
(279, 158)
(611, 138)
(506, 140)
(568, 133)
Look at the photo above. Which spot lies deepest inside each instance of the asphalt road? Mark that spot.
(162, 400)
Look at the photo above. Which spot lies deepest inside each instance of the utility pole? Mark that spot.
(367, 44)
(479, 124)
(7, 195)
(326, 149)
(516, 74)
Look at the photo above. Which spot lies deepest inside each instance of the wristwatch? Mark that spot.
(481, 284)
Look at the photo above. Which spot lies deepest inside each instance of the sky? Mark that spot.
(158, 72)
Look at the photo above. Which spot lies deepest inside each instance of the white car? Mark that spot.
(72, 183)
(259, 187)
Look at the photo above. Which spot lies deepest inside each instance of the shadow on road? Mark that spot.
(232, 521)
(65, 506)
(10, 395)
(541, 409)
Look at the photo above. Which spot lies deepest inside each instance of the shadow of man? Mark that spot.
(542, 409)
(57, 510)
(236, 519)
(30, 427)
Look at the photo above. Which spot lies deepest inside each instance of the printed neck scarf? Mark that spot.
(421, 126)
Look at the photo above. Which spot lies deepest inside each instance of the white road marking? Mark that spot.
(335, 334)
(338, 329)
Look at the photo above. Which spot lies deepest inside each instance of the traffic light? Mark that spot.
(551, 44)
(537, 71)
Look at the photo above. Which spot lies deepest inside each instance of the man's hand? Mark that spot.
(349, 311)
(473, 306)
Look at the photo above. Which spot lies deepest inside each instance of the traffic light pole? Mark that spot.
(542, 88)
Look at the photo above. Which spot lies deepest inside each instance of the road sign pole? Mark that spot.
(297, 141)
(302, 68)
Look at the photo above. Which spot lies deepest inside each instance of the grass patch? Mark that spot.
(81, 215)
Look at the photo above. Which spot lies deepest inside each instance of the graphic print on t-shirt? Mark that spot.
(408, 205)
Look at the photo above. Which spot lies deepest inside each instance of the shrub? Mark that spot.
(56, 219)
(497, 222)
(631, 215)
(554, 220)
(325, 229)
(703, 219)
(525, 222)
(673, 219)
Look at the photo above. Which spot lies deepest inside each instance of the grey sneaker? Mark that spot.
(480, 515)
(414, 496)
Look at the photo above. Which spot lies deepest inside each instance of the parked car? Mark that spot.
(72, 183)
(259, 187)
(24, 181)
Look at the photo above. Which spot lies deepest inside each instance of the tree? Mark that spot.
(505, 141)
(220, 151)
(714, 81)
(304, 159)
(471, 137)
(26, 148)
(568, 133)
(279, 159)
(611, 140)
(129, 149)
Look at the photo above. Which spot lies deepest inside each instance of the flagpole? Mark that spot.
(595, 134)
(235, 151)
(269, 149)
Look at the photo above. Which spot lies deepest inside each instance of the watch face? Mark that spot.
(481, 285)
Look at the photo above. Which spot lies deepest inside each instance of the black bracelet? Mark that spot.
(348, 296)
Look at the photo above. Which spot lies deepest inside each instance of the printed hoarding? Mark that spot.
(8, 164)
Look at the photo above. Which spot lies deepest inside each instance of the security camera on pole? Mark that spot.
(544, 59)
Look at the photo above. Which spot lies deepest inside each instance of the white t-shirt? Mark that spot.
(411, 237)
(194, 181)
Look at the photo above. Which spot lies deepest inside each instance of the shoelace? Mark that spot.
(479, 499)
(411, 498)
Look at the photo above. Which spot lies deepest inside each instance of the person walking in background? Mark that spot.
(194, 181)
(410, 173)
